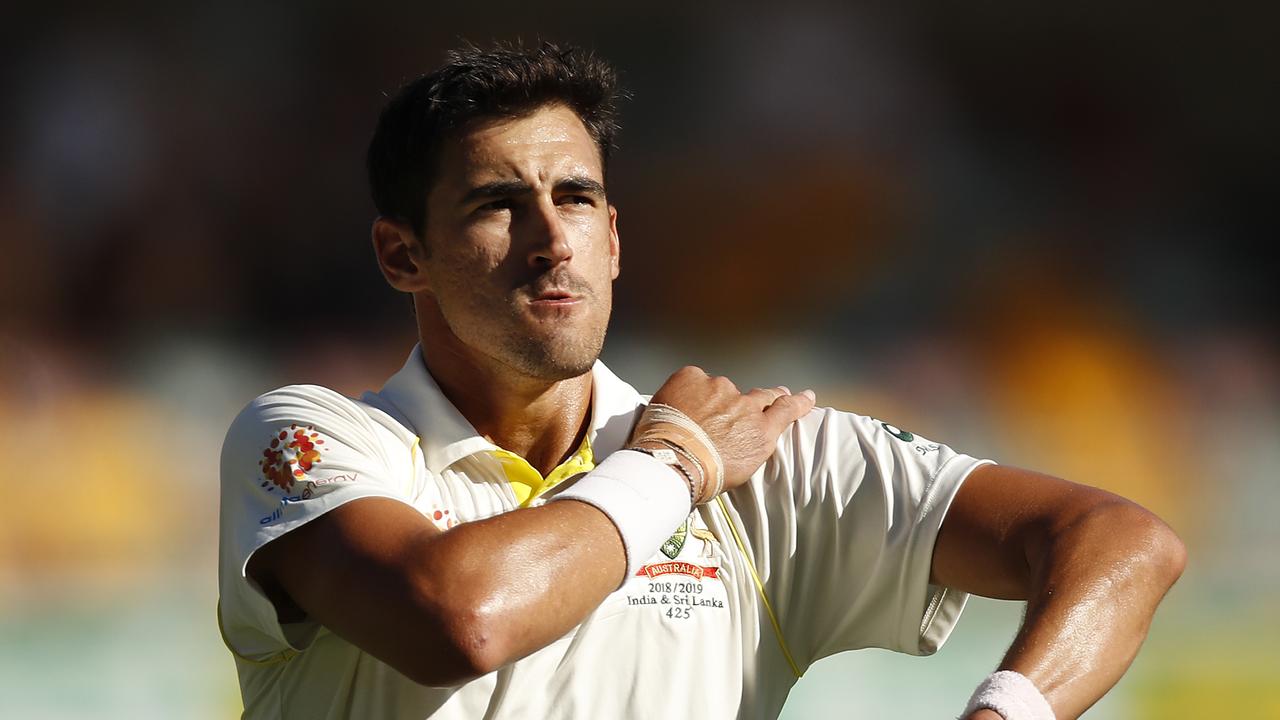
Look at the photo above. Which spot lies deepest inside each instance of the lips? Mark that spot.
(554, 298)
(563, 288)
(558, 289)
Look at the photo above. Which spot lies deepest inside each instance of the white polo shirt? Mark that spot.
(838, 527)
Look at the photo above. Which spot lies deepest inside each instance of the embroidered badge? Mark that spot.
(671, 548)
(708, 539)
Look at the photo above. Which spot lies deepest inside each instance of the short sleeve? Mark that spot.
(289, 457)
(846, 514)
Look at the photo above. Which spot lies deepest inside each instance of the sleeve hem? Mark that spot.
(263, 618)
(944, 605)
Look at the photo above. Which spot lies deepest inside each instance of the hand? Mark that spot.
(984, 714)
(743, 427)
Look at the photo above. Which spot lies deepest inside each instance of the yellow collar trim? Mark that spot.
(527, 483)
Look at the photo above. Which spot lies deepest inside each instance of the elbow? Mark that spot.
(1151, 546)
(477, 639)
(469, 644)
(466, 624)
(1168, 553)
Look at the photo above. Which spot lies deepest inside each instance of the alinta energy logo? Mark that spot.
(291, 455)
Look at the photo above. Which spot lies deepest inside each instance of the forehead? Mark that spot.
(548, 143)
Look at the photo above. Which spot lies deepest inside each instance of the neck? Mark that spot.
(541, 420)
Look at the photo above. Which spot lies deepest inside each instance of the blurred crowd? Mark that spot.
(1034, 233)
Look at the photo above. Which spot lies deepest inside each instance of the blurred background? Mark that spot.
(1035, 232)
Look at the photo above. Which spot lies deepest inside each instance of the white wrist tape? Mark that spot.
(1012, 695)
(645, 498)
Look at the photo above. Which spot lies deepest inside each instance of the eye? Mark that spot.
(576, 200)
(495, 205)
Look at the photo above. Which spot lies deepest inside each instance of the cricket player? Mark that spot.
(506, 529)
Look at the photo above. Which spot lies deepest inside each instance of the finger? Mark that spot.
(789, 408)
(723, 385)
(767, 396)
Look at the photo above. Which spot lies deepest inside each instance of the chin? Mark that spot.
(557, 359)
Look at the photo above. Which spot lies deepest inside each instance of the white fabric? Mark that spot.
(1012, 695)
(840, 523)
(643, 497)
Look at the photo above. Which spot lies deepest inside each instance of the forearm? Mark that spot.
(446, 607)
(1096, 579)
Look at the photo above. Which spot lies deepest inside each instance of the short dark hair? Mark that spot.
(505, 81)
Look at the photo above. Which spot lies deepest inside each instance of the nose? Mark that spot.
(548, 242)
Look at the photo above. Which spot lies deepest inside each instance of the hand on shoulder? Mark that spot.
(738, 430)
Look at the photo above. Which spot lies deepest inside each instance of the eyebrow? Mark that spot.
(580, 183)
(508, 188)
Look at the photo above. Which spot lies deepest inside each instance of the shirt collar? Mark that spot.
(446, 437)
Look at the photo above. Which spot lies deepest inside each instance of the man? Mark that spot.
(508, 530)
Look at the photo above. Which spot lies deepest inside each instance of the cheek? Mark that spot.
(469, 265)
(462, 284)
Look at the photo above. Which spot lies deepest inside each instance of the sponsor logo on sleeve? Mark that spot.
(292, 454)
(919, 444)
(902, 435)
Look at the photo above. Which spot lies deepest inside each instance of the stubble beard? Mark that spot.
(567, 349)
(553, 360)
(550, 350)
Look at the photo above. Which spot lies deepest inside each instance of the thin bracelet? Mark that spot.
(665, 413)
(701, 497)
(657, 436)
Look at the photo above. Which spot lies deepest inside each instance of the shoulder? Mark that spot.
(828, 430)
(315, 399)
(314, 410)
(839, 451)
(827, 433)
(293, 404)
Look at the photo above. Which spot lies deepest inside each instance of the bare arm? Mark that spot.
(1092, 567)
(445, 607)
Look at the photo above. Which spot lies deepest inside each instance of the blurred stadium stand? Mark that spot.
(1032, 232)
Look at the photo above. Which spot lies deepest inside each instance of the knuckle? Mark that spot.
(688, 371)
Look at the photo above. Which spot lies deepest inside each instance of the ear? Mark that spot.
(401, 255)
(615, 248)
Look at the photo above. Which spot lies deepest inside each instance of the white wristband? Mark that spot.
(645, 498)
(1012, 695)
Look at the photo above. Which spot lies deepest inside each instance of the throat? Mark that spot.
(557, 442)
(542, 421)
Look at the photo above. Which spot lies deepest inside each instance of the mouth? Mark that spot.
(554, 298)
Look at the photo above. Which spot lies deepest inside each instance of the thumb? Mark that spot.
(789, 408)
